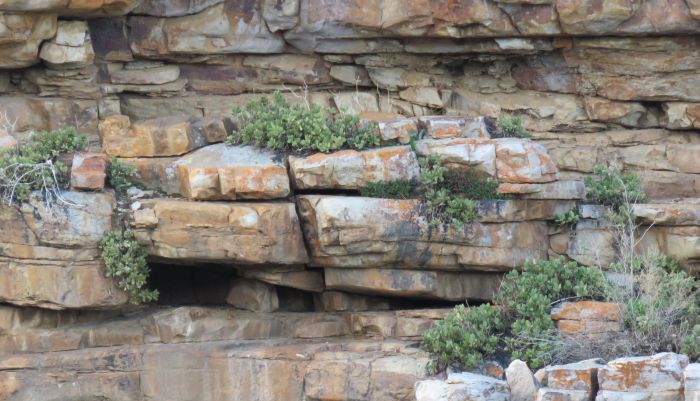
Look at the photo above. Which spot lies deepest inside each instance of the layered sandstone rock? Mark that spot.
(232, 172)
(509, 160)
(367, 232)
(228, 233)
(50, 257)
(587, 318)
(350, 169)
(414, 283)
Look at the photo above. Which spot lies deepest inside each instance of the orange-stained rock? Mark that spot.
(587, 317)
(344, 231)
(232, 172)
(351, 169)
(441, 127)
(657, 373)
(587, 310)
(168, 136)
(523, 161)
(231, 233)
(57, 284)
(88, 171)
(579, 376)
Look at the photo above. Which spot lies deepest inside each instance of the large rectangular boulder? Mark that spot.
(227, 233)
(356, 232)
(351, 169)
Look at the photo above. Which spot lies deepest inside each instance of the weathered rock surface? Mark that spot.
(232, 172)
(660, 373)
(50, 257)
(88, 171)
(228, 233)
(350, 169)
(366, 232)
(467, 386)
(209, 32)
(509, 160)
(71, 47)
(587, 318)
(414, 283)
(521, 382)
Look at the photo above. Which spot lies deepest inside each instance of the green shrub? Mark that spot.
(611, 188)
(465, 336)
(278, 125)
(513, 126)
(569, 218)
(120, 175)
(125, 260)
(36, 165)
(471, 185)
(527, 298)
(440, 205)
(399, 189)
(520, 322)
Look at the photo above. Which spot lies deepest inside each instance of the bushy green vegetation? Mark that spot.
(120, 175)
(125, 260)
(440, 205)
(609, 187)
(471, 185)
(466, 336)
(519, 318)
(35, 165)
(569, 218)
(513, 126)
(277, 124)
(399, 189)
(527, 298)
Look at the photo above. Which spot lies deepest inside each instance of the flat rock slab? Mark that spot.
(232, 172)
(369, 232)
(229, 233)
(414, 283)
(673, 214)
(351, 169)
(660, 373)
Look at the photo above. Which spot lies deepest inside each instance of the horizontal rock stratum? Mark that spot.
(294, 286)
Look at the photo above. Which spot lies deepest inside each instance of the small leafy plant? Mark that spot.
(472, 185)
(609, 187)
(440, 205)
(569, 218)
(120, 175)
(279, 125)
(36, 166)
(125, 260)
(399, 189)
(513, 126)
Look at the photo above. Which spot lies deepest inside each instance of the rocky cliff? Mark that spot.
(278, 281)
